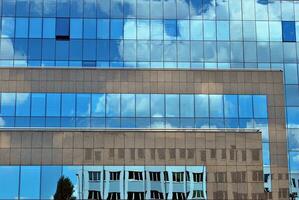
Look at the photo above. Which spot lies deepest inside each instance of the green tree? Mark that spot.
(64, 190)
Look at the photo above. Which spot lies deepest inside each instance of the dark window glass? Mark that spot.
(63, 28)
(288, 31)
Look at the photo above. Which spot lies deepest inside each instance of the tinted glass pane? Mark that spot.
(288, 31)
(98, 105)
(216, 106)
(89, 30)
(30, 182)
(35, 28)
(187, 105)
(23, 104)
(38, 107)
(245, 106)
(128, 105)
(113, 105)
(68, 105)
(260, 106)
(201, 105)
(53, 105)
(76, 28)
(74, 173)
(83, 105)
(9, 182)
(231, 106)
(157, 105)
(8, 101)
(62, 27)
(49, 178)
(172, 105)
(142, 105)
(21, 28)
(103, 28)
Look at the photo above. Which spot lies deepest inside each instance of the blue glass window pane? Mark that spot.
(157, 105)
(196, 30)
(97, 122)
(275, 31)
(262, 31)
(293, 117)
(116, 9)
(158, 122)
(293, 139)
(116, 47)
(202, 123)
(183, 30)
(116, 30)
(68, 122)
(8, 7)
(21, 28)
(49, 25)
(142, 105)
(128, 123)
(76, 28)
(63, 8)
(75, 50)
(156, 29)
(62, 27)
(290, 72)
(201, 105)
(288, 31)
(143, 29)
(209, 30)
(113, 123)
(74, 173)
(172, 105)
(183, 48)
(22, 122)
(98, 105)
(30, 182)
(49, 178)
(35, 28)
(89, 29)
(216, 106)
(53, 104)
(103, 9)
(112, 105)
(23, 104)
(196, 9)
(143, 53)
(38, 107)
(128, 105)
(21, 48)
(231, 123)
(10, 184)
(156, 51)
(223, 30)
(170, 52)
(89, 50)
(68, 104)
(231, 106)
(8, 101)
(62, 50)
(260, 106)
(103, 49)
(90, 9)
(216, 123)
(130, 29)
(103, 28)
(50, 8)
(48, 49)
(294, 162)
(36, 8)
(186, 105)
(143, 123)
(22, 8)
(34, 49)
(170, 29)
(245, 106)
(83, 105)
(8, 27)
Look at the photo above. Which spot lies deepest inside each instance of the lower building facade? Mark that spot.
(143, 134)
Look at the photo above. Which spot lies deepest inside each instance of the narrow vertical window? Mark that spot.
(288, 31)
(62, 28)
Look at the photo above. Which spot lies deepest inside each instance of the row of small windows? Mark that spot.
(170, 9)
(40, 182)
(126, 53)
(67, 28)
(132, 105)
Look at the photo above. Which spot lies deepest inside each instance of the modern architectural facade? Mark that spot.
(195, 66)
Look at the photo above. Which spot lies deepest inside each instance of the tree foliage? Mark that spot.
(64, 190)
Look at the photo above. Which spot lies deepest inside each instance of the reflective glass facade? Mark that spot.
(192, 34)
(105, 182)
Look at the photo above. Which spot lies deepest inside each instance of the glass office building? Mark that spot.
(186, 35)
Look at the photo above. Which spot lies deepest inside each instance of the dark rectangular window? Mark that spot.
(288, 31)
(62, 28)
